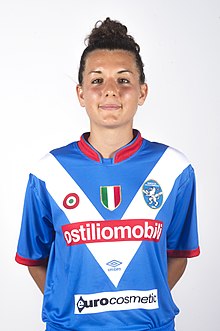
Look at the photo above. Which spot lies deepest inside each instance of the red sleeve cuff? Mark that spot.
(185, 253)
(29, 262)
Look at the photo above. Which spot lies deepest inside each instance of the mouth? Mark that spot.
(110, 106)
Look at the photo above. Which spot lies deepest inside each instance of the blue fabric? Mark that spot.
(109, 267)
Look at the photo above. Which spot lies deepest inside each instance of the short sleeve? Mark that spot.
(37, 232)
(182, 234)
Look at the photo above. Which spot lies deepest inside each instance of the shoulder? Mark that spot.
(178, 156)
(64, 150)
(167, 152)
(48, 163)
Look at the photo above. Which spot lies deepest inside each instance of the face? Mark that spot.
(111, 91)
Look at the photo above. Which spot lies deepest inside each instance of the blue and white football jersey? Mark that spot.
(105, 227)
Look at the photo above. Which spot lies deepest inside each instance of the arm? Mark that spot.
(176, 268)
(38, 273)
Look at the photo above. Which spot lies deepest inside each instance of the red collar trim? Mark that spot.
(120, 155)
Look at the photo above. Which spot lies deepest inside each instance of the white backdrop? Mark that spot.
(40, 45)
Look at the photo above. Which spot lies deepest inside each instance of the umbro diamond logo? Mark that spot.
(114, 263)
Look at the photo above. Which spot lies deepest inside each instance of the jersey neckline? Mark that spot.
(120, 155)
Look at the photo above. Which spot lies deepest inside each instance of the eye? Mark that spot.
(123, 81)
(97, 81)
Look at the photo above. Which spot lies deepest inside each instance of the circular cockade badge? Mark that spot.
(153, 194)
(71, 201)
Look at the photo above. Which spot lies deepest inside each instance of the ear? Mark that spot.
(79, 91)
(143, 94)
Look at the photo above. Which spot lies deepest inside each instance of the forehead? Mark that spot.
(104, 59)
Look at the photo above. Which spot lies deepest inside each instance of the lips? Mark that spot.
(110, 106)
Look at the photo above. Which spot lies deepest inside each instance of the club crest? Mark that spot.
(110, 196)
(153, 194)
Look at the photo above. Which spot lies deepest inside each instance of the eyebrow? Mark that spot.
(94, 72)
(119, 72)
(125, 70)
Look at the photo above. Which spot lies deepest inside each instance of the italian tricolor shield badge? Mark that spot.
(110, 196)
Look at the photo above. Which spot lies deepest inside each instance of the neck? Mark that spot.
(109, 141)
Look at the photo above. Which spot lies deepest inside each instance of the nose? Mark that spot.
(110, 89)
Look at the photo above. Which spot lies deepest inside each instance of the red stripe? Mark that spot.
(117, 195)
(185, 253)
(87, 149)
(120, 155)
(29, 262)
(129, 150)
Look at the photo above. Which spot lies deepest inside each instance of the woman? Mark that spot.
(101, 215)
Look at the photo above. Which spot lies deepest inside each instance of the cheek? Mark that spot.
(90, 98)
(130, 96)
(92, 94)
